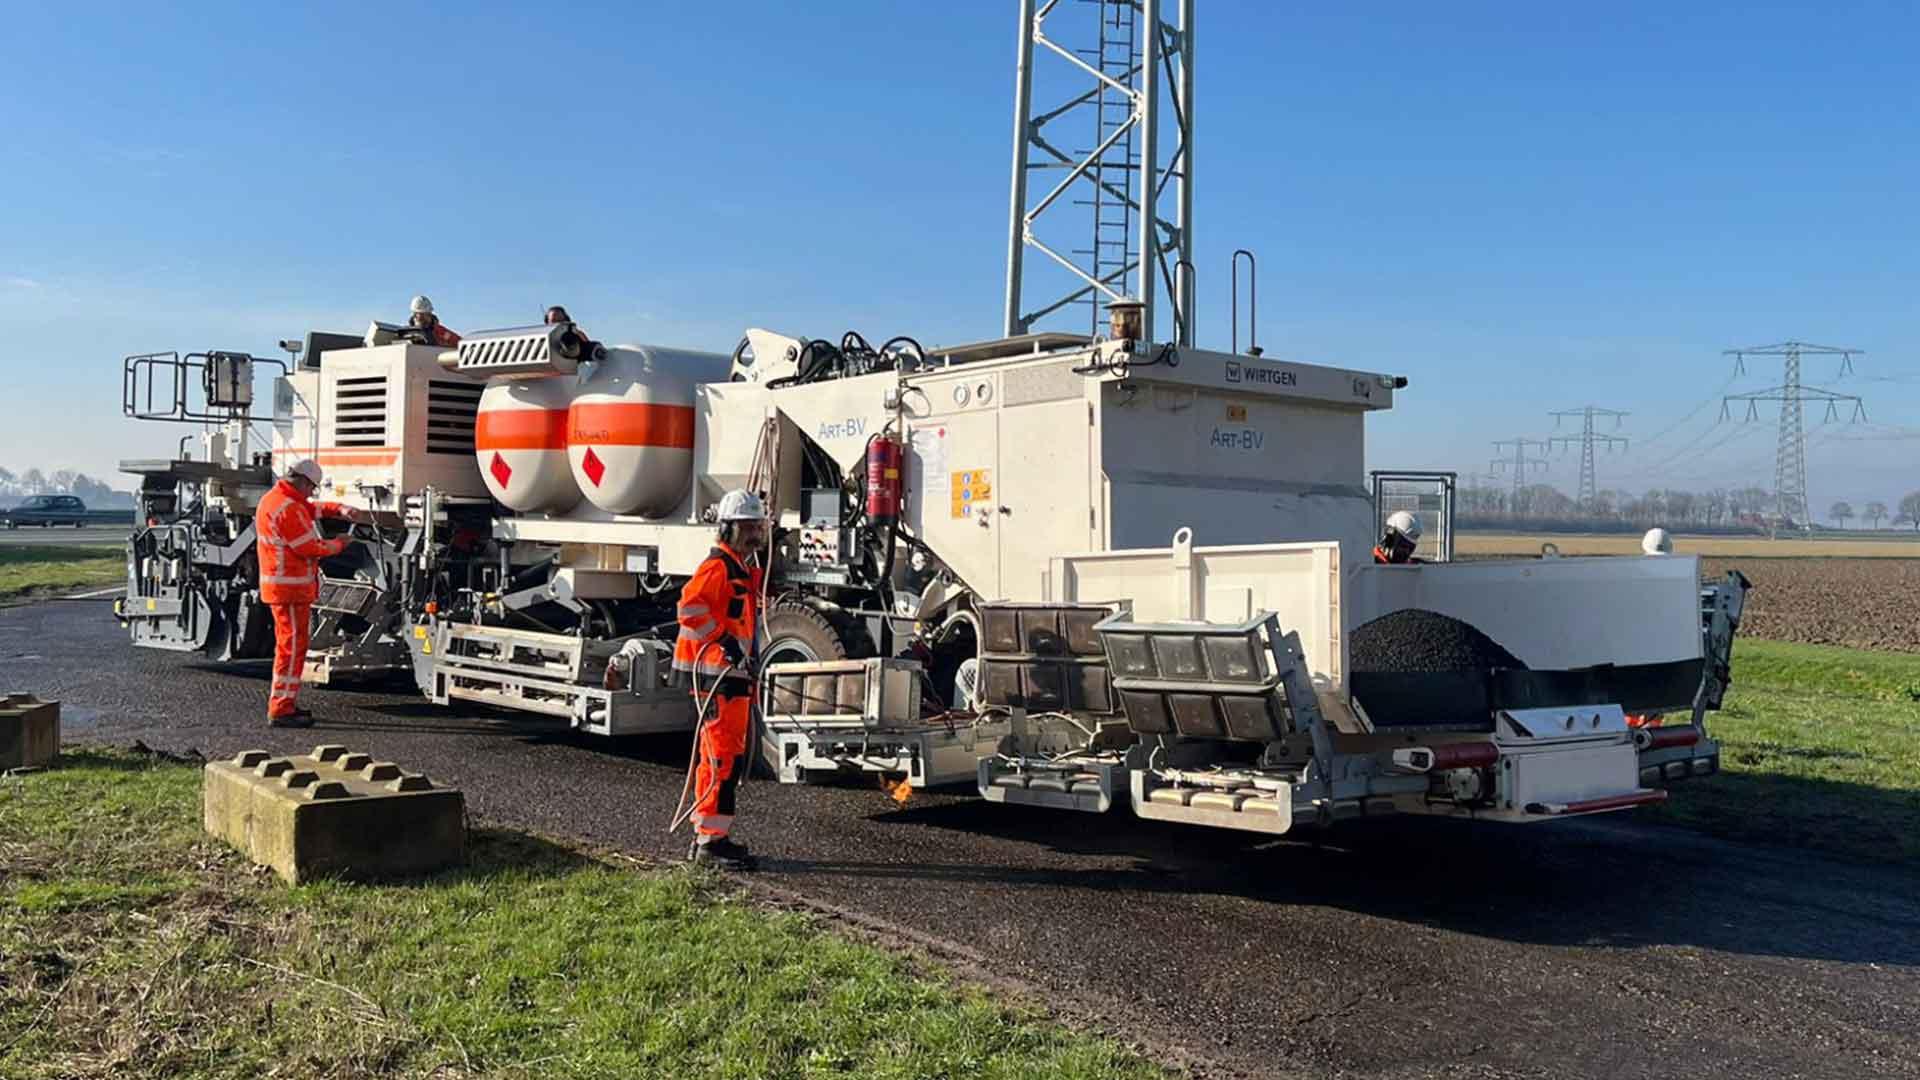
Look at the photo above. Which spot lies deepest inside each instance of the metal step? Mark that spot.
(1087, 783)
(556, 675)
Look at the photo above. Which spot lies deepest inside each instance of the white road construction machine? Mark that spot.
(971, 579)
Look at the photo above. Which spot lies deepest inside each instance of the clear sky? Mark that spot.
(1521, 207)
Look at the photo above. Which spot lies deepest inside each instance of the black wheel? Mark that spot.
(797, 633)
(800, 634)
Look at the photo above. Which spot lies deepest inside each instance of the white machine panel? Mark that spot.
(1551, 613)
(1241, 463)
(387, 417)
(1300, 583)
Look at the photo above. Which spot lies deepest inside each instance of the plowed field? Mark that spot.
(1860, 603)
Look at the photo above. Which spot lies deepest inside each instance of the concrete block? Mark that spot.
(29, 731)
(333, 813)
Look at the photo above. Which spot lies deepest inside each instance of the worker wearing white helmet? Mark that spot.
(1656, 542)
(719, 612)
(289, 547)
(1398, 539)
(423, 318)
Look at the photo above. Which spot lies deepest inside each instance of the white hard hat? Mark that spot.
(422, 306)
(1404, 523)
(741, 505)
(1656, 542)
(307, 469)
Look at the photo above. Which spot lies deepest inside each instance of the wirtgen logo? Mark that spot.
(1250, 375)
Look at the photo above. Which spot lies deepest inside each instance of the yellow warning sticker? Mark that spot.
(151, 606)
(420, 632)
(426, 648)
(970, 488)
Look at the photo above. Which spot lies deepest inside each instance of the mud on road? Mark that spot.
(1393, 949)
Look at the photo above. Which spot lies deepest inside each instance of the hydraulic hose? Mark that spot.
(685, 810)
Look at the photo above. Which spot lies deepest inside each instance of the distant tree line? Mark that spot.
(60, 482)
(1746, 509)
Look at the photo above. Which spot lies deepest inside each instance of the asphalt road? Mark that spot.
(112, 536)
(1403, 948)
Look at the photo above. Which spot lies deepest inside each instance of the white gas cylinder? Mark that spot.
(520, 441)
(630, 427)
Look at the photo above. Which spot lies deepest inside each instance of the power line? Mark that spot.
(1697, 469)
(1790, 458)
(1677, 454)
(1713, 398)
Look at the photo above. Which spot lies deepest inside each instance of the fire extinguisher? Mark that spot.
(884, 457)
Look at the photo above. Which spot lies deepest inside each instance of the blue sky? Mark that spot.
(1522, 207)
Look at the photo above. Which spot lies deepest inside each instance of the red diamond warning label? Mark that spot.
(593, 466)
(502, 472)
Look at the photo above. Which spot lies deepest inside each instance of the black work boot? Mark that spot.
(296, 718)
(722, 854)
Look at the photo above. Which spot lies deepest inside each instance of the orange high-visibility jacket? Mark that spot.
(720, 603)
(289, 545)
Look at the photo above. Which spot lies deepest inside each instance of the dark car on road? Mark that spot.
(46, 511)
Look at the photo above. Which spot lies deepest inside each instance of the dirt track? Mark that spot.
(1605, 948)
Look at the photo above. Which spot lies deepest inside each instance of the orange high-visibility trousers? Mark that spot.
(723, 748)
(290, 628)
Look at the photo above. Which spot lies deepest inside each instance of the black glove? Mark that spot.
(730, 648)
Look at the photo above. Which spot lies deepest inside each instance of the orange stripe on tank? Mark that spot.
(372, 455)
(521, 429)
(629, 424)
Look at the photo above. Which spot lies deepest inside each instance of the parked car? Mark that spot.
(47, 511)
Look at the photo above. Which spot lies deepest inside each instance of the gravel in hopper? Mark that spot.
(1415, 640)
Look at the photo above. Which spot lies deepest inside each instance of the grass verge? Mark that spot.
(33, 568)
(1819, 747)
(133, 946)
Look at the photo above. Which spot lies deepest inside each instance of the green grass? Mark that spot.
(1820, 748)
(132, 946)
(32, 568)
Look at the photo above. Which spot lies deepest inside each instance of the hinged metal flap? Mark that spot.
(1573, 721)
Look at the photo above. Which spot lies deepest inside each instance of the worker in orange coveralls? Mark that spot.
(421, 317)
(1398, 540)
(289, 546)
(719, 609)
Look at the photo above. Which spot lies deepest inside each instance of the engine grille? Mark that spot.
(360, 411)
(521, 351)
(451, 411)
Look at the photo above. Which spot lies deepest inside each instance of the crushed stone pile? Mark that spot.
(1424, 641)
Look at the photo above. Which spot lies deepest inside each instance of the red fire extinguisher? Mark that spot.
(884, 457)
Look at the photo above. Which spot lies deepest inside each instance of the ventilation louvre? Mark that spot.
(360, 411)
(452, 408)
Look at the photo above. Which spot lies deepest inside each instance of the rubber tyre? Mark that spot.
(796, 633)
(800, 633)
